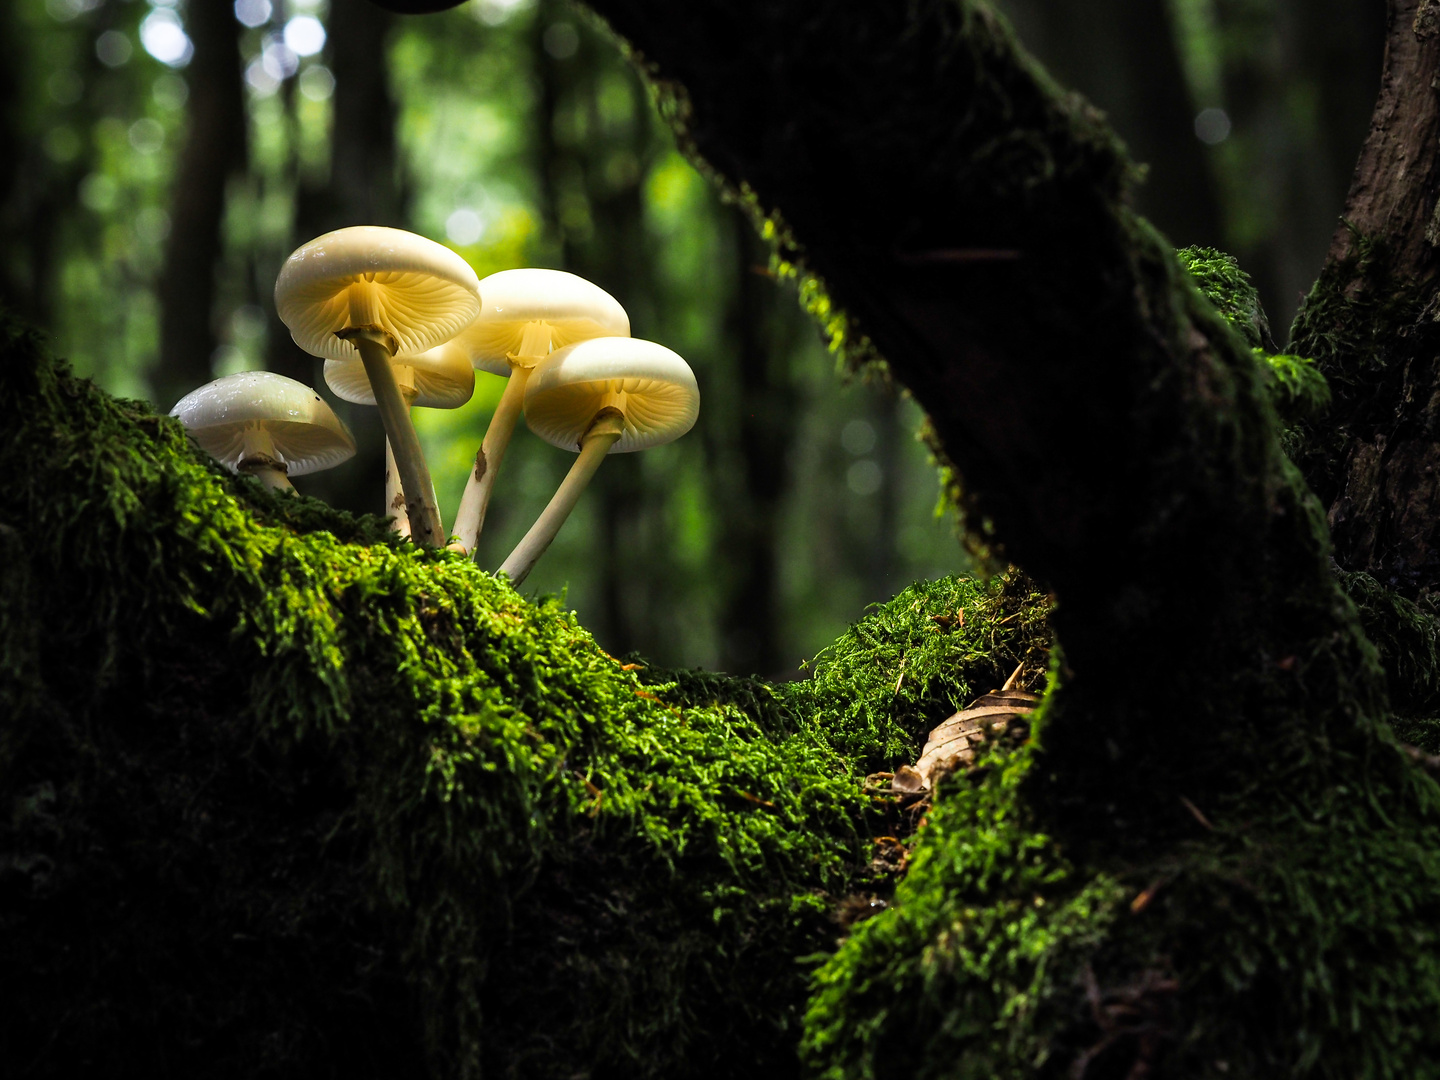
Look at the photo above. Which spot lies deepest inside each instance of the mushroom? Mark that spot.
(379, 293)
(524, 314)
(608, 395)
(436, 379)
(266, 426)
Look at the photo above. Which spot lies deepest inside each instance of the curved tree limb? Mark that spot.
(1106, 423)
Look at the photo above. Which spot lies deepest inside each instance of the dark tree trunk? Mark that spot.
(1110, 430)
(366, 179)
(1123, 56)
(214, 152)
(1376, 461)
(365, 186)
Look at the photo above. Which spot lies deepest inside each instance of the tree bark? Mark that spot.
(1376, 461)
(215, 151)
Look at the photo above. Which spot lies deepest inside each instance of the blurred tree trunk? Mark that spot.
(1300, 77)
(214, 151)
(1371, 321)
(594, 200)
(1122, 55)
(882, 554)
(26, 224)
(749, 460)
(593, 203)
(364, 187)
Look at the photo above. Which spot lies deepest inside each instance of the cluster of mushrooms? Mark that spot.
(402, 321)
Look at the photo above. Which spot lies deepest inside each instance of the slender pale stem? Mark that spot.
(269, 472)
(607, 427)
(470, 518)
(394, 494)
(414, 474)
(260, 459)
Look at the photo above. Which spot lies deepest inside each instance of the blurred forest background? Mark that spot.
(164, 156)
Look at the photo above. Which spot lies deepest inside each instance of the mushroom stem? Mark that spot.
(260, 459)
(394, 494)
(268, 471)
(604, 430)
(470, 518)
(424, 515)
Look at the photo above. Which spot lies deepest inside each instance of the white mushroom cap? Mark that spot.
(652, 387)
(306, 433)
(443, 378)
(574, 309)
(418, 291)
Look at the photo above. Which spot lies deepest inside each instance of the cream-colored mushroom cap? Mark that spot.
(573, 308)
(418, 291)
(443, 379)
(652, 387)
(306, 433)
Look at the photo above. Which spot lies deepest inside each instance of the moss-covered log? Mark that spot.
(1215, 859)
(287, 796)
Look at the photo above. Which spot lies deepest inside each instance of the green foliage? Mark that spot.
(247, 732)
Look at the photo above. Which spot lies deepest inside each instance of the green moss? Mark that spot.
(1230, 289)
(927, 653)
(1408, 639)
(1348, 319)
(1363, 326)
(1297, 389)
(1305, 946)
(1294, 384)
(310, 787)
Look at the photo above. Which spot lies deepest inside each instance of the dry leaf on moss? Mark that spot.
(952, 744)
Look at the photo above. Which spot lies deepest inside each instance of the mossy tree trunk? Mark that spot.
(947, 207)
(1371, 322)
(974, 225)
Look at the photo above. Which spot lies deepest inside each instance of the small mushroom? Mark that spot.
(436, 379)
(379, 293)
(608, 395)
(266, 426)
(524, 314)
